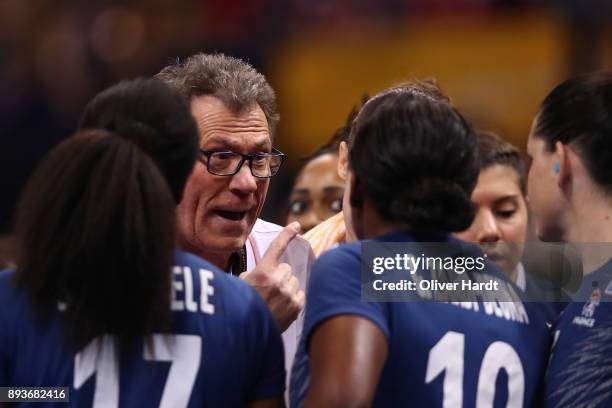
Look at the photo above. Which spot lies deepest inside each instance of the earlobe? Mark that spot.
(561, 165)
(342, 160)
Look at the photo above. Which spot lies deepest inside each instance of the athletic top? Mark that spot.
(223, 350)
(544, 294)
(580, 371)
(439, 354)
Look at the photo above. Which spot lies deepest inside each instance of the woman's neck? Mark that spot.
(375, 226)
(590, 228)
(590, 219)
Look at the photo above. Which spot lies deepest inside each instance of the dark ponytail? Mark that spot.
(96, 222)
(96, 228)
(417, 161)
(578, 113)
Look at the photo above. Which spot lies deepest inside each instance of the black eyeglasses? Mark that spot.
(228, 163)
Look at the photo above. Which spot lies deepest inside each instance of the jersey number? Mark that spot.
(448, 355)
(98, 358)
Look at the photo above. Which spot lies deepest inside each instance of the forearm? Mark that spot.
(347, 356)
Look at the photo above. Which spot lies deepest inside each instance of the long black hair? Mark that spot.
(96, 222)
(416, 158)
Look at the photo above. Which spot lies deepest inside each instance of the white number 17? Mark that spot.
(184, 351)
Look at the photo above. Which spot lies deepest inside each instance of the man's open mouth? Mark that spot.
(231, 215)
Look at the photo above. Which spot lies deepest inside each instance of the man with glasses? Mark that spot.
(235, 110)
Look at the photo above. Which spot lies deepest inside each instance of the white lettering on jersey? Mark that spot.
(207, 290)
(183, 282)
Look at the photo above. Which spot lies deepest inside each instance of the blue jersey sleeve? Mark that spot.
(335, 289)
(268, 348)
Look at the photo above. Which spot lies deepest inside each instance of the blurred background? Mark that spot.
(496, 59)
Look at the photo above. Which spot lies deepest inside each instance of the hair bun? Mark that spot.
(433, 204)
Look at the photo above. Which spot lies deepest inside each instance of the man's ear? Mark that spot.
(562, 166)
(343, 160)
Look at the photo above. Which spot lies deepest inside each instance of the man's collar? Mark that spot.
(238, 262)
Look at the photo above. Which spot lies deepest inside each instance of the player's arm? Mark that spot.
(347, 354)
(268, 403)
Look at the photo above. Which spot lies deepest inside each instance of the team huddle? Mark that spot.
(145, 278)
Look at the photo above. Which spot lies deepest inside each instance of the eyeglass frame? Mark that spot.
(244, 157)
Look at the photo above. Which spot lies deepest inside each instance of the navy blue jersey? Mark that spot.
(580, 370)
(224, 349)
(439, 354)
(545, 295)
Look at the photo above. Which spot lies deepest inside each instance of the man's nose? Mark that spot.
(243, 181)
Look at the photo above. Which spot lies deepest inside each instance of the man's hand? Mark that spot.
(276, 283)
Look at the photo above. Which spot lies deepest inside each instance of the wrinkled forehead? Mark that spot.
(221, 127)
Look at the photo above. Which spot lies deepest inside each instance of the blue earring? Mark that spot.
(556, 167)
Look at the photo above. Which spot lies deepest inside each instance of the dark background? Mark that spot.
(496, 59)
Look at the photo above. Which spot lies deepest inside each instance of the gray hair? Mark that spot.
(235, 82)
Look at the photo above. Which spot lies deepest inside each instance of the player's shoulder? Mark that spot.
(226, 285)
(7, 288)
(351, 250)
(14, 302)
(5, 277)
(264, 232)
(187, 259)
(340, 261)
(601, 279)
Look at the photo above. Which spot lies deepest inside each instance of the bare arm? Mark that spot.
(347, 354)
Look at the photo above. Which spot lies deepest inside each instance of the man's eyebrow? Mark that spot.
(300, 191)
(222, 141)
(263, 147)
